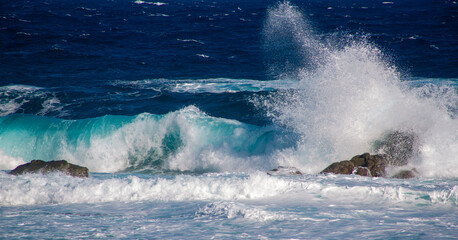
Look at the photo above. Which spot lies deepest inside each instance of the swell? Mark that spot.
(184, 140)
(341, 98)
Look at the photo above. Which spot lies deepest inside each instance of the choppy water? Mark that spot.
(179, 109)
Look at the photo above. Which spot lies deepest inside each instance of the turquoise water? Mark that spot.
(180, 108)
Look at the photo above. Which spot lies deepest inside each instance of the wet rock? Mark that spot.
(281, 170)
(343, 167)
(405, 174)
(40, 166)
(358, 160)
(364, 165)
(376, 164)
(363, 171)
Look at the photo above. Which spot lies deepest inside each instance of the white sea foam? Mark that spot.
(345, 97)
(50, 105)
(39, 189)
(10, 106)
(216, 85)
(349, 96)
(14, 97)
(158, 15)
(191, 40)
(202, 55)
(150, 3)
(11, 97)
(8, 162)
(258, 187)
(231, 210)
(185, 140)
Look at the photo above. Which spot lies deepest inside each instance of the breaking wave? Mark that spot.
(332, 100)
(349, 95)
(185, 140)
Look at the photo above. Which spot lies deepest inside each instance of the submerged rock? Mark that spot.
(398, 147)
(363, 165)
(40, 166)
(281, 170)
(404, 174)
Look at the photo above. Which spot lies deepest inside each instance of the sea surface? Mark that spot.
(179, 109)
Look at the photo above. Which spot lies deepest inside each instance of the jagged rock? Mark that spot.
(40, 166)
(358, 160)
(398, 146)
(281, 170)
(343, 167)
(364, 165)
(404, 174)
(363, 171)
(376, 164)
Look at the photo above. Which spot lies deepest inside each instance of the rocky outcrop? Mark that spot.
(364, 165)
(40, 166)
(343, 167)
(375, 164)
(281, 170)
(396, 148)
(367, 165)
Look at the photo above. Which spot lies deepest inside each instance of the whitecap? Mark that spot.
(202, 55)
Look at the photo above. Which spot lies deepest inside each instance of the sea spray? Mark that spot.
(289, 42)
(332, 100)
(185, 140)
(120, 88)
(350, 98)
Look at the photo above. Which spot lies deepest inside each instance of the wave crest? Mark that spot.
(185, 140)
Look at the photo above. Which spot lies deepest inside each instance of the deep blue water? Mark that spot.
(178, 108)
(74, 48)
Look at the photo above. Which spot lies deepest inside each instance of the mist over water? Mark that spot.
(289, 43)
(180, 109)
(329, 100)
(349, 96)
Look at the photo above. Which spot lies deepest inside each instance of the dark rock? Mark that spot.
(375, 165)
(343, 167)
(358, 161)
(398, 146)
(404, 174)
(40, 166)
(281, 170)
(363, 171)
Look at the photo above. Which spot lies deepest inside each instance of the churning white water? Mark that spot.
(188, 175)
(349, 96)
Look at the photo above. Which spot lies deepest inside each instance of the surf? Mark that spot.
(328, 101)
(227, 187)
(187, 140)
(349, 95)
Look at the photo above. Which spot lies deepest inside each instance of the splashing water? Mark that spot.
(332, 100)
(289, 42)
(187, 140)
(349, 97)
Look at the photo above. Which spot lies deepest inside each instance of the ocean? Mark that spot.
(180, 108)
